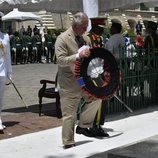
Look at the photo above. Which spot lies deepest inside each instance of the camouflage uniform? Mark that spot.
(17, 45)
(37, 46)
(49, 46)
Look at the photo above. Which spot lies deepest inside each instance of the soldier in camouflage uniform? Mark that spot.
(12, 49)
(54, 60)
(37, 47)
(25, 48)
(17, 45)
(28, 46)
(49, 46)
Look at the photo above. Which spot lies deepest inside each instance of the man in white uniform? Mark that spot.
(5, 69)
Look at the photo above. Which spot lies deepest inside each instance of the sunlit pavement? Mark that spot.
(139, 129)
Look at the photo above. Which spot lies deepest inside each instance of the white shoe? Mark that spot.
(2, 126)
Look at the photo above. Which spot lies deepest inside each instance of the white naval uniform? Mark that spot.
(5, 67)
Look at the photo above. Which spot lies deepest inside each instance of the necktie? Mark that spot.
(80, 41)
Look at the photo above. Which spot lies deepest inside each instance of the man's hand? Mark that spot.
(84, 51)
(9, 76)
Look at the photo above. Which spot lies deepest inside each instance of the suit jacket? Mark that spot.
(66, 49)
(5, 56)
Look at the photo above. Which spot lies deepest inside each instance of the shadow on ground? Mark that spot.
(48, 109)
(118, 116)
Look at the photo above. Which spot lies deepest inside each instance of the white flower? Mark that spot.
(95, 67)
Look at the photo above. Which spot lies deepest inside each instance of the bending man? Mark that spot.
(70, 46)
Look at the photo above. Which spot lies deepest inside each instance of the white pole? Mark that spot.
(90, 7)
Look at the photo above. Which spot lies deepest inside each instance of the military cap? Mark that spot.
(98, 21)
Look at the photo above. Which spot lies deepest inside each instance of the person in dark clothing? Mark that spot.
(16, 45)
(139, 28)
(35, 30)
(49, 47)
(95, 35)
(37, 46)
(28, 47)
(29, 30)
(151, 40)
(151, 50)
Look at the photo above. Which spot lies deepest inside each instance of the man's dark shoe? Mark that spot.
(68, 146)
(85, 131)
(99, 132)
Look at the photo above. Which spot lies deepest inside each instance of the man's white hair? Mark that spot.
(79, 18)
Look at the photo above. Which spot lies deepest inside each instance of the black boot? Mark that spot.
(97, 129)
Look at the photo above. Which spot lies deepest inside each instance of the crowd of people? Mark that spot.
(31, 46)
(69, 46)
(68, 50)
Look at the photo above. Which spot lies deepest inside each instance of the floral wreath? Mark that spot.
(98, 75)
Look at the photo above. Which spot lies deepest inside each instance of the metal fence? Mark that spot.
(139, 85)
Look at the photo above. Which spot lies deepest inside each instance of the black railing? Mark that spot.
(139, 87)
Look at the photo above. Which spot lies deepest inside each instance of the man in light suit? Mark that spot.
(5, 69)
(70, 46)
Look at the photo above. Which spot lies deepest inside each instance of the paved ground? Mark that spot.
(144, 149)
(27, 79)
(19, 119)
(132, 135)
